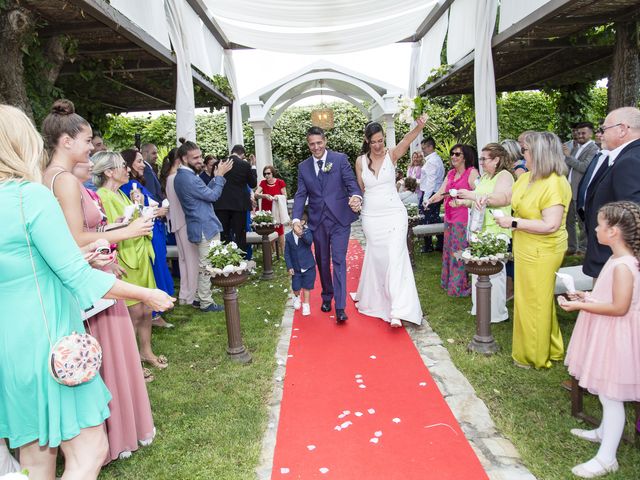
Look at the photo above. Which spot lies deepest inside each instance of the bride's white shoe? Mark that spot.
(395, 323)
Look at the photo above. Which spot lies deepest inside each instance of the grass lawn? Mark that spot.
(211, 413)
(528, 406)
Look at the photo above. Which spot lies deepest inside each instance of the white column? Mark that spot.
(262, 138)
(185, 101)
(234, 126)
(484, 90)
(390, 129)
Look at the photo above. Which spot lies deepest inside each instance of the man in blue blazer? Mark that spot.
(196, 200)
(327, 181)
(617, 179)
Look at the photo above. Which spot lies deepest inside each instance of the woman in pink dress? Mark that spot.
(604, 351)
(267, 189)
(131, 421)
(454, 277)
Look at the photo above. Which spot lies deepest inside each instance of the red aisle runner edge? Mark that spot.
(359, 403)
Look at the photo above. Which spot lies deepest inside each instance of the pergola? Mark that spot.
(535, 43)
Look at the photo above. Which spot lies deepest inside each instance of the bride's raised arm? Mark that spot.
(405, 143)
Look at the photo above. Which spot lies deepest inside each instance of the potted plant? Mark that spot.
(485, 253)
(262, 222)
(227, 266)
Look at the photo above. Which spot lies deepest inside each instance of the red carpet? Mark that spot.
(359, 403)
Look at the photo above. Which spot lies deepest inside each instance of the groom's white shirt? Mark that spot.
(315, 161)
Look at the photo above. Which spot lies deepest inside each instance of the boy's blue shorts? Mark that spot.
(304, 280)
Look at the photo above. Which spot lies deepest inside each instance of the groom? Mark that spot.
(327, 181)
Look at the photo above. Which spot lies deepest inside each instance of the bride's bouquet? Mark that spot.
(411, 108)
(486, 247)
(225, 259)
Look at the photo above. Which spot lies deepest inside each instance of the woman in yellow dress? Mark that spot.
(539, 200)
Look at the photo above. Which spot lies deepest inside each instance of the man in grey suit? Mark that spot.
(577, 160)
(196, 200)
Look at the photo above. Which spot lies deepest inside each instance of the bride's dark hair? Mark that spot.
(369, 131)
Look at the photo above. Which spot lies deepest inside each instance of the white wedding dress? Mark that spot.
(387, 287)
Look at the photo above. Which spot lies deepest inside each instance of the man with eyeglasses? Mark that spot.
(577, 160)
(617, 179)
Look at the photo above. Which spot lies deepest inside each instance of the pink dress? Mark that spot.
(604, 351)
(131, 420)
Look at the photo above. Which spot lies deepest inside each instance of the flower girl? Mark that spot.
(604, 350)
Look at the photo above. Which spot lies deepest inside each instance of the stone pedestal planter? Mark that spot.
(265, 231)
(235, 349)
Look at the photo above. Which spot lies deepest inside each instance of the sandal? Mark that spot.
(159, 362)
(395, 323)
(148, 376)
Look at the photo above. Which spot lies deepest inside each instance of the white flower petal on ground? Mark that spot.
(378, 433)
(359, 380)
(423, 384)
(311, 448)
(284, 470)
(371, 411)
(373, 357)
(374, 440)
(323, 470)
(362, 386)
(358, 414)
(396, 420)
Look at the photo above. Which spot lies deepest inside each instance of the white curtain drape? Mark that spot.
(432, 44)
(412, 90)
(512, 11)
(236, 136)
(148, 15)
(462, 29)
(484, 90)
(185, 102)
(205, 52)
(332, 26)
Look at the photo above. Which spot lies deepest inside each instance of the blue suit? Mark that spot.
(197, 200)
(299, 256)
(330, 218)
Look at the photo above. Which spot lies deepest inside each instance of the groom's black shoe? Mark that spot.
(341, 317)
(326, 306)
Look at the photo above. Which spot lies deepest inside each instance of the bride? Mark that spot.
(387, 288)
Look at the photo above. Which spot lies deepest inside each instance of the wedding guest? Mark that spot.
(210, 164)
(604, 350)
(98, 144)
(120, 370)
(414, 170)
(45, 281)
(431, 179)
(150, 157)
(539, 200)
(196, 199)
(463, 175)
(490, 197)
(161, 273)
(518, 163)
(268, 189)
(410, 194)
(135, 254)
(188, 260)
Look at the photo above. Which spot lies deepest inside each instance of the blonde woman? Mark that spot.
(539, 200)
(30, 215)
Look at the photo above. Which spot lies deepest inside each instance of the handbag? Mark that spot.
(74, 358)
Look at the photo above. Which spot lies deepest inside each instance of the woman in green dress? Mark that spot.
(489, 198)
(110, 172)
(38, 415)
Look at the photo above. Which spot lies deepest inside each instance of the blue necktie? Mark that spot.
(319, 162)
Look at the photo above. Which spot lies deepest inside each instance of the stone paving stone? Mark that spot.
(501, 447)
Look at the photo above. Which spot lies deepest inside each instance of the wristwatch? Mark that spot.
(514, 223)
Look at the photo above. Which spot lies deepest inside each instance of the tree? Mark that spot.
(624, 79)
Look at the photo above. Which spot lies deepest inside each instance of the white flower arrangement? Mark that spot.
(410, 109)
(486, 247)
(413, 212)
(225, 259)
(262, 218)
(327, 167)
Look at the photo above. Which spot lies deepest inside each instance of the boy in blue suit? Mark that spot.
(301, 265)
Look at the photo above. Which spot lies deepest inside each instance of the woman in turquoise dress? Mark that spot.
(38, 415)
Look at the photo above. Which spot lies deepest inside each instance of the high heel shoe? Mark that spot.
(395, 323)
(159, 362)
